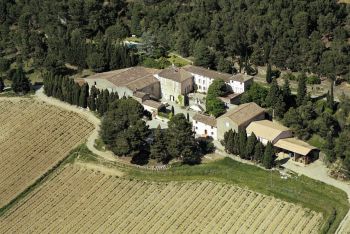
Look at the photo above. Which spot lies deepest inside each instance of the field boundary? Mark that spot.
(43, 178)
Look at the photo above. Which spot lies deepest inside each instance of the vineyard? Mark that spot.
(34, 137)
(77, 200)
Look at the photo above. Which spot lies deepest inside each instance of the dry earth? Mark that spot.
(80, 200)
(34, 137)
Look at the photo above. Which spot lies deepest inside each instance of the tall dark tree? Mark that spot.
(269, 74)
(287, 93)
(250, 146)
(20, 82)
(242, 140)
(258, 152)
(302, 89)
(159, 149)
(2, 85)
(269, 156)
(84, 94)
(181, 139)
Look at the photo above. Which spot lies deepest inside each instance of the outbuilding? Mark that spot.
(268, 131)
(296, 149)
(204, 126)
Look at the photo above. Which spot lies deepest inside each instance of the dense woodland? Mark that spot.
(308, 36)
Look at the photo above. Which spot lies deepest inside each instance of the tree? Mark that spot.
(269, 74)
(256, 93)
(2, 85)
(84, 94)
(287, 93)
(268, 158)
(302, 89)
(215, 106)
(258, 152)
(273, 93)
(96, 61)
(330, 97)
(203, 56)
(242, 142)
(159, 149)
(20, 82)
(329, 148)
(250, 146)
(181, 139)
(224, 65)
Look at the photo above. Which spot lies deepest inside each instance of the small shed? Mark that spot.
(299, 150)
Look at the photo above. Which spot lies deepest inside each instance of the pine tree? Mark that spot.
(258, 152)
(250, 147)
(242, 136)
(159, 149)
(269, 74)
(2, 85)
(302, 89)
(268, 158)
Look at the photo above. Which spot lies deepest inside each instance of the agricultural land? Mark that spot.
(34, 137)
(79, 200)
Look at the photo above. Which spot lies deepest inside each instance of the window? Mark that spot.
(199, 87)
(203, 81)
(196, 122)
(212, 133)
(212, 127)
(196, 127)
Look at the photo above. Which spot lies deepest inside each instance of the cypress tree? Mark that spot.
(258, 152)
(230, 142)
(2, 85)
(268, 158)
(273, 93)
(84, 94)
(302, 89)
(242, 136)
(286, 92)
(235, 149)
(251, 142)
(76, 94)
(330, 97)
(268, 73)
(20, 82)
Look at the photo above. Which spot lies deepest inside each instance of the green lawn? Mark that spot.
(178, 60)
(297, 189)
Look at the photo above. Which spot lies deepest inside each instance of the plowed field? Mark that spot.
(34, 137)
(80, 200)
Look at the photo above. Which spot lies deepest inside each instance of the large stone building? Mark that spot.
(175, 83)
(239, 118)
(203, 78)
(128, 81)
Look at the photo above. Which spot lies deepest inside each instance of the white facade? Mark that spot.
(204, 130)
(203, 83)
(237, 87)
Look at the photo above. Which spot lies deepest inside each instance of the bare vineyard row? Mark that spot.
(80, 200)
(36, 137)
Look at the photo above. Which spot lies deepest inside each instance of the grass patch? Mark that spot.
(177, 60)
(330, 201)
